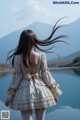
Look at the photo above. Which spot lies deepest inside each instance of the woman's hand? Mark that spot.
(7, 103)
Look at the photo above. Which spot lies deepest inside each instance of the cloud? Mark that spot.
(32, 11)
(37, 9)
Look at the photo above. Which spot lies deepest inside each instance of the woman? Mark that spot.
(32, 86)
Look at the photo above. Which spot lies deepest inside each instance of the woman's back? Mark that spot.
(34, 57)
(35, 60)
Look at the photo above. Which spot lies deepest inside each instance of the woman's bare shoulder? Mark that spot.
(36, 53)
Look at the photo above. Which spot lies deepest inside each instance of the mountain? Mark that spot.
(67, 58)
(43, 30)
(72, 56)
(10, 41)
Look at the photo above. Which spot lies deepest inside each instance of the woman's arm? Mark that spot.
(47, 77)
(16, 78)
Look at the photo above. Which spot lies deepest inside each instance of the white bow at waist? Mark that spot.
(32, 76)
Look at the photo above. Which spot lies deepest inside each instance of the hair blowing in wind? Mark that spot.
(28, 39)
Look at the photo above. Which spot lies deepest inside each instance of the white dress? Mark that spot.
(36, 90)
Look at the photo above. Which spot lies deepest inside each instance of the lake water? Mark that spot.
(68, 106)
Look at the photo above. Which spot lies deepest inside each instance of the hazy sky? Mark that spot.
(16, 14)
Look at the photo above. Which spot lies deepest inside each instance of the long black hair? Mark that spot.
(28, 39)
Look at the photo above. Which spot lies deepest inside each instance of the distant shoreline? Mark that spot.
(4, 67)
(50, 68)
(51, 65)
(73, 67)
